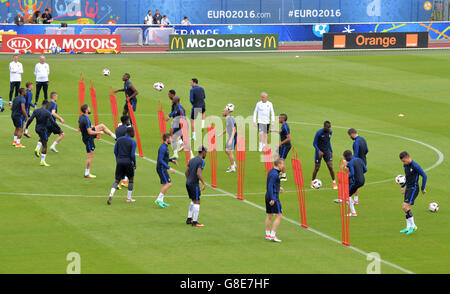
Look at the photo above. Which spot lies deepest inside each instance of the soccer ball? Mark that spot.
(400, 179)
(158, 86)
(230, 107)
(433, 207)
(317, 184)
(106, 72)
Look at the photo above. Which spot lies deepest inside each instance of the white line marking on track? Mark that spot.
(287, 219)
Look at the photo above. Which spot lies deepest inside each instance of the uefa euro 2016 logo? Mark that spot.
(320, 29)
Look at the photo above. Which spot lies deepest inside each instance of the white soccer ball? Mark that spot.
(433, 207)
(317, 184)
(106, 72)
(400, 179)
(230, 107)
(158, 86)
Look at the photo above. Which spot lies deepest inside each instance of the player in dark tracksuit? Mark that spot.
(356, 169)
(43, 119)
(197, 98)
(125, 152)
(323, 149)
(412, 172)
(360, 150)
(53, 126)
(193, 175)
(130, 93)
(273, 204)
(178, 115)
(162, 166)
(19, 116)
(285, 142)
(121, 131)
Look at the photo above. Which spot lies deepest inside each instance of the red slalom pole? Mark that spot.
(240, 156)
(213, 154)
(186, 139)
(133, 120)
(268, 160)
(81, 93)
(114, 111)
(300, 186)
(94, 105)
(162, 120)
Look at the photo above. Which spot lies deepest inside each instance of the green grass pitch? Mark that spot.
(48, 212)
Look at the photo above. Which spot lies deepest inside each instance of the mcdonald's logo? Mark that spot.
(268, 42)
(178, 41)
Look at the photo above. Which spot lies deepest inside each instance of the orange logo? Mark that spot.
(339, 41)
(412, 40)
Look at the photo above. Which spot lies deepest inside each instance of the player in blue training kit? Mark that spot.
(178, 114)
(43, 119)
(355, 168)
(412, 172)
(193, 175)
(323, 148)
(53, 127)
(162, 166)
(360, 150)
(197, 98)
(121, 131)
(273, 204)
(29, 101)
(88, 134)
(125, 152)
(285, 142)
(130, 93)
(19, 117)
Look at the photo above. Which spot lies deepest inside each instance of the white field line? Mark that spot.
(100, 196)
(287, 219)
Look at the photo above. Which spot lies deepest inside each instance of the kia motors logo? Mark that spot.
(18, 43)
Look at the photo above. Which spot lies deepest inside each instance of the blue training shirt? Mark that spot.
(360, 149)
(322, 141)
(273, 185)
(412, 172)
(197, 96)
(28, 101)
(163, 157)
(125, 150)
(357, 170)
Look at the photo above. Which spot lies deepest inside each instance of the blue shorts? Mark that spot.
(163, 175)
(411, 195)
(326, 156)
(18, 121)
(43, 134)
(90, 145)
(133, 102)
(354, 187)
(124, 169)
(273, 209)
(196, 110)
(193, 191)
(283, 151)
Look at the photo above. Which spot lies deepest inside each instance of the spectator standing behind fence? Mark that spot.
(157, 17)
(47, 17)
(18, 19)
(165, 21)
(148, 20)
(36, 17)
(185, 21)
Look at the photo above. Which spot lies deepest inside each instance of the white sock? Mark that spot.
(112, 192)
(43, 156)
(411, 222)
(160, 197)
(113, 136)
(15, 138)
(267, 233)
(193, 134)
(180, 142)
(356, 198)
(175, 152)
(283, 175)
(352, 207)
(125, 179)
(39, 145)
(86, 172)
(260, 145)
(196, 211)
(129, 194)
(273, 234)
(233, 165)
(18, 140)
(408, 223)
(203, 123)
(54, 144)
(191, 209)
